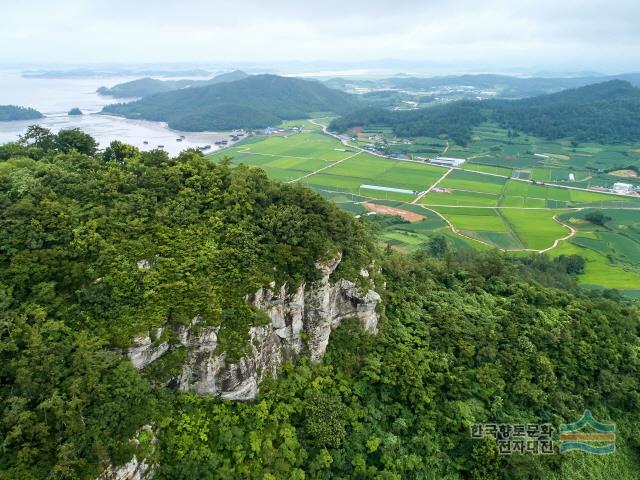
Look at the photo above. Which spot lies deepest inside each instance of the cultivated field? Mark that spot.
(501, 198)
(493, 150)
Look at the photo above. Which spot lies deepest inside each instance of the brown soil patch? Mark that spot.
(385, 210)
(624, 173)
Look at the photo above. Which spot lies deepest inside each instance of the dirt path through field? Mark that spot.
(323, 168)
(419, 197)
(572, 232)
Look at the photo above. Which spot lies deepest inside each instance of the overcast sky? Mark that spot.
(488, 35)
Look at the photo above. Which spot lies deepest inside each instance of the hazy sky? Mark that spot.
(599, 35)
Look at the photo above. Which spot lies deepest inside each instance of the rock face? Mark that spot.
(143, 351)
(316, 309)
(134, 470)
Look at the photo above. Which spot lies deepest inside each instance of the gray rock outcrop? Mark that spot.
(315, 309)
(134, 470)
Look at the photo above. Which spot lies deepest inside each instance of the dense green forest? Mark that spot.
(465, 337)
(144, 87)
(607, 112)
(12, 112)
(255, 102)
(465, 340)
(454, 120)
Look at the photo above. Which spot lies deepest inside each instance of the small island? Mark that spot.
(10, 113)
(75, 111)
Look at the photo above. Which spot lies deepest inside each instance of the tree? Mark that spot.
(119, 152)
(597, 218)
(573, 264)
(40, 137)
(76, 139)
(438, 246)
(486, 461)
(325, 420)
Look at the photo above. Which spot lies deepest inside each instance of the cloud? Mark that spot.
(594, 34)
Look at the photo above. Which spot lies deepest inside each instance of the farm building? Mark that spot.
(389, 189)
(623, 187)
(447, 161)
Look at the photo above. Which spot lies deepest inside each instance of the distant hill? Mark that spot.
(504, 86)
(254, 102)
(394, 99)
(606, 112)
(508, 86)
(223, 78)
(12, 112)
(144, 87)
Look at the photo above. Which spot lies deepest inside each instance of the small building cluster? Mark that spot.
(447, 161)
(623, 188)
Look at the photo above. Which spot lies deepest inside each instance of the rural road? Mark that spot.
(344, 142)
(324, 168)
(572, 232)
(554, 185)
(419, 197)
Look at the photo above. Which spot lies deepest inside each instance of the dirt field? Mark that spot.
(385, 210)
(624, 173)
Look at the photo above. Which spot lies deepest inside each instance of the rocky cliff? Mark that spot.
(315, 309)
(134, 470)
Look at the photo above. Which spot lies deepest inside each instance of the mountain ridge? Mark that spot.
(607, 112)
(143, 87)
(505, 86)
(257, 101)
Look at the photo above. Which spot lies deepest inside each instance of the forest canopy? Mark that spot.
(465, 337)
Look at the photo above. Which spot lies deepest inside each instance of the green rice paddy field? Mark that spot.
(480, 206)
(467, 188)
(493, 150)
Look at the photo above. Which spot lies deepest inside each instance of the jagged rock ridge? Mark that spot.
(316, 309)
